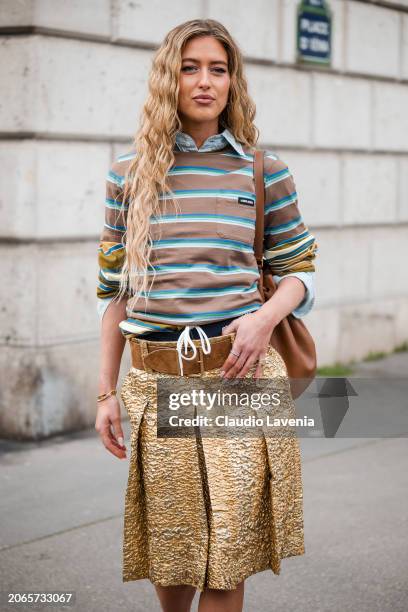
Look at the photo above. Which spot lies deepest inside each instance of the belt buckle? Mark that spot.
(200, 360)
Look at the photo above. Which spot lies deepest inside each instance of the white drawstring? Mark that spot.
(185, 338)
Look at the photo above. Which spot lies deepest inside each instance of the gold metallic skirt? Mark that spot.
(208, 512)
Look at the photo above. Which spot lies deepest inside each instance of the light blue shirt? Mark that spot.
(216, 142)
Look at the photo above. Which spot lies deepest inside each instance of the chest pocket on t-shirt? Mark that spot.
(236, 218)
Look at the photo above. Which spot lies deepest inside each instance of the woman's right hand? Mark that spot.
(108, 419)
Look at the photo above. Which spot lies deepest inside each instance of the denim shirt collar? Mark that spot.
(214, 143)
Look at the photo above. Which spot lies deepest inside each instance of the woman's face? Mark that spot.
(204, 72)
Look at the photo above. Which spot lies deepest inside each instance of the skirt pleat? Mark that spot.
(207, 511)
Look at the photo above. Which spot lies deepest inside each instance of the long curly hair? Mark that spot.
(146, 176)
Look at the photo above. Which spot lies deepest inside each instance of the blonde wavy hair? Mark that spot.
(146, 176)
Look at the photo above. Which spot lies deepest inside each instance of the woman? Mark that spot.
(200, 513)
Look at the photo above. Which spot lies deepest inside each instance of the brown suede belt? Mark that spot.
(162, 357)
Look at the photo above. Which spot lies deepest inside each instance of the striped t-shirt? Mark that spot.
(203, 257)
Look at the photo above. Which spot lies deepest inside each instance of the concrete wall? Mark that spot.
(74, 78)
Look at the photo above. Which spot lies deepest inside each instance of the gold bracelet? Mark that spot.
(105, 395)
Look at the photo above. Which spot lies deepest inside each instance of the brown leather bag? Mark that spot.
(290, 337)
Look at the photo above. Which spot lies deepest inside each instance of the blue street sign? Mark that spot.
(314, 32)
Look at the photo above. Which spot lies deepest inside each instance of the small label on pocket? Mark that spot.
(246, 201)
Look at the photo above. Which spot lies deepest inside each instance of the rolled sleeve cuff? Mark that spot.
(308, 301)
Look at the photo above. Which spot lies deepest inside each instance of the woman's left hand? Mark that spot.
(253, 334)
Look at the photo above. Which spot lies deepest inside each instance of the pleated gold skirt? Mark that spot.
(208, 512)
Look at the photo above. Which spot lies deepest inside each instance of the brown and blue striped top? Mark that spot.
(203, 257)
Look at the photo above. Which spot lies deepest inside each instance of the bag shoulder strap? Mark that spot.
(260, 205)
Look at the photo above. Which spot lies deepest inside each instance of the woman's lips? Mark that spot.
(203, 100)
